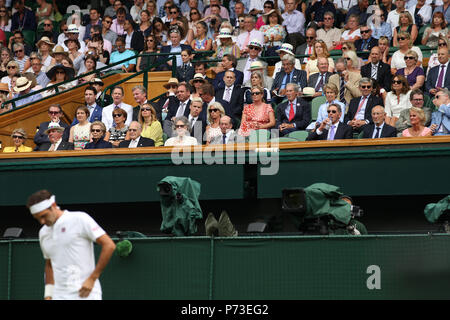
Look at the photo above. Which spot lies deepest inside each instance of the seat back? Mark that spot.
(260, 135)
(299, 135)
(315, 105)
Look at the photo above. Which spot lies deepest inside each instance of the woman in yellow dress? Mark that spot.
(19, 136)
(151, 127)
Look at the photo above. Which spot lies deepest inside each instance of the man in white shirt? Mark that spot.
(294, 21)
(136, 141)
(255, 48)
(117, 96)
(243, 40)
(73, 34)
(66, 239)
(136, 10)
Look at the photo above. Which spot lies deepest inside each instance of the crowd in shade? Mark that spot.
(316, 69)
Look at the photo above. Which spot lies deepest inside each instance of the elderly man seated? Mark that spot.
(136, 141)
(378, 129)
(55, 133)
(440, 119)
(54, 112)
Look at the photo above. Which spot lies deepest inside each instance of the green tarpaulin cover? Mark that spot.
(434, 210)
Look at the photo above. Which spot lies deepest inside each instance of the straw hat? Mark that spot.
(52, 126)
(47, 41)
(4, 87)
(197, 76)
(59, 49)
(266, 16)
(309, 91)
(224, 33)
(288, 48)
(22, 84)
(255, 43)
(255, 65)
(171, 81)
(72, 28)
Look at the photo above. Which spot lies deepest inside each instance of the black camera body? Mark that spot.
(356, 211)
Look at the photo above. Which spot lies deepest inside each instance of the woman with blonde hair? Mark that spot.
(351, 60)
(319, 50)
(383, 44)
(417, 129)
(215, 112)
(397, 99)
(19, 136)
(405, 24)
(414, 74)
(404, 44)
(151, 127)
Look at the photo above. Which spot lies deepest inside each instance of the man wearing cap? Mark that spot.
(249, 33)
(229, 62)
(107, 113)
(66, 240)
(73, 33)
(255, 47)
(162, 105)
(55, 113)
(286, 48)
(23, 19)
(231, 94)
(23, 87)
(55, 136)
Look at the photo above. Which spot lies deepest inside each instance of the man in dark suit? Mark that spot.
(140, 96)
(137, 39)
(378, 129)
(288, 74)
(54, 112)
(360, 109)
(177, 107)
(319, 79)
(233, 94)
(23, 18)
(95, 111)
(196, 122)
(439, 76)
(294, 114)
(201, 67)
(176, 46)
(307, 48)
(56, 143)
(377, 70)
(331, 128)
(136, 141)
(229, 62)
(366, 43)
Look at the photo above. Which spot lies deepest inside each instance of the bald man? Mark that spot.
(378, 129)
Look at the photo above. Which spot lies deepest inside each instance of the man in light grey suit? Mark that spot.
(228, 134)
(255, 47)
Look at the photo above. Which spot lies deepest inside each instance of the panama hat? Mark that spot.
(224, 33)
(52, 126)
(59, 49)
(47, 41)
(197, 76)
(266, 16)
(309, 91)
(69, 71)
(171, 81)
(22, 84)
(255, 65)
(255, 43)
(286, 47)
(72, 28)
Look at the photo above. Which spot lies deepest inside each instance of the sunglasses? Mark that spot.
(150, 40)
(344, 48)
(397, 81)
(64, 30)
(173, 12)
(365, 31)
(96, 130)
(179, 126)
(309, 38)
(45, 24)
(348, 58)
(268, 7)
(328, 18)
(106, 21)
(53, 112)
(253, 48)
(256, 93)
(401, 38)
(167, 7)
(331, 111)
(17, 137)
(117, 115)
(11, 67)
(366, 87)
(409, 58)
(18, 51)
(60, 72)
(194, 12)
(2, 10)
(146, 109)
(442, 44)
(213, 110)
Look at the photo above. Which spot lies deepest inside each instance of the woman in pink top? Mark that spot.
(417, 118)
(258, 115)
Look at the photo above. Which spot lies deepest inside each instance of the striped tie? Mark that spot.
(342, 92)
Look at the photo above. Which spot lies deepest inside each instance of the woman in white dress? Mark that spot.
(397, 100)
(183, 138)
(404, 44)
(80, 134)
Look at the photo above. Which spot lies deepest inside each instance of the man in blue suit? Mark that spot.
(439, 76)
(176, 46)
(95, 110)
(229, 62)
(440, 119)
(288, 74)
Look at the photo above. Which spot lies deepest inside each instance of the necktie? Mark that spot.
(332, 132)
(320, 84)
(52, 147)
(374, 72)
(291, 113)
(166, 104)
(377, 135)
(180, 110)
(185, 67)
(224, 138)
(287, 79)
(247, 40)
(364, 46)
(191, 122)
(342, 91)
(441, 77)
(360, 106)
(227, 94)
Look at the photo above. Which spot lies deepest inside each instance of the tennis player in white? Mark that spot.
(67, 243)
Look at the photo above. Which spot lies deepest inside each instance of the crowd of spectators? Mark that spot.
(381, 68)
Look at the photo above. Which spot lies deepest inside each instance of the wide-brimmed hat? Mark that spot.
(4, 87)
(308, 91)
(52, 126)
(197, 77)
(225, 33)
(22, 84)
(288, 48)
(266, 16)
(69, 71)
(255, 65)
(97, 80)
(59, 49)
(74, 40)
(171, 81)
(47, 41)
(255, 43)
(72, 28)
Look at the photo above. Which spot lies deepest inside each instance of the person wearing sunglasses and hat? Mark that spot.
(286, 48)
(58, 74)
(196, 83)
(255, 48)
(18, 136)
(55, 136)
(58, 54)
(73, 33)
(23, 87)
(55, 113)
